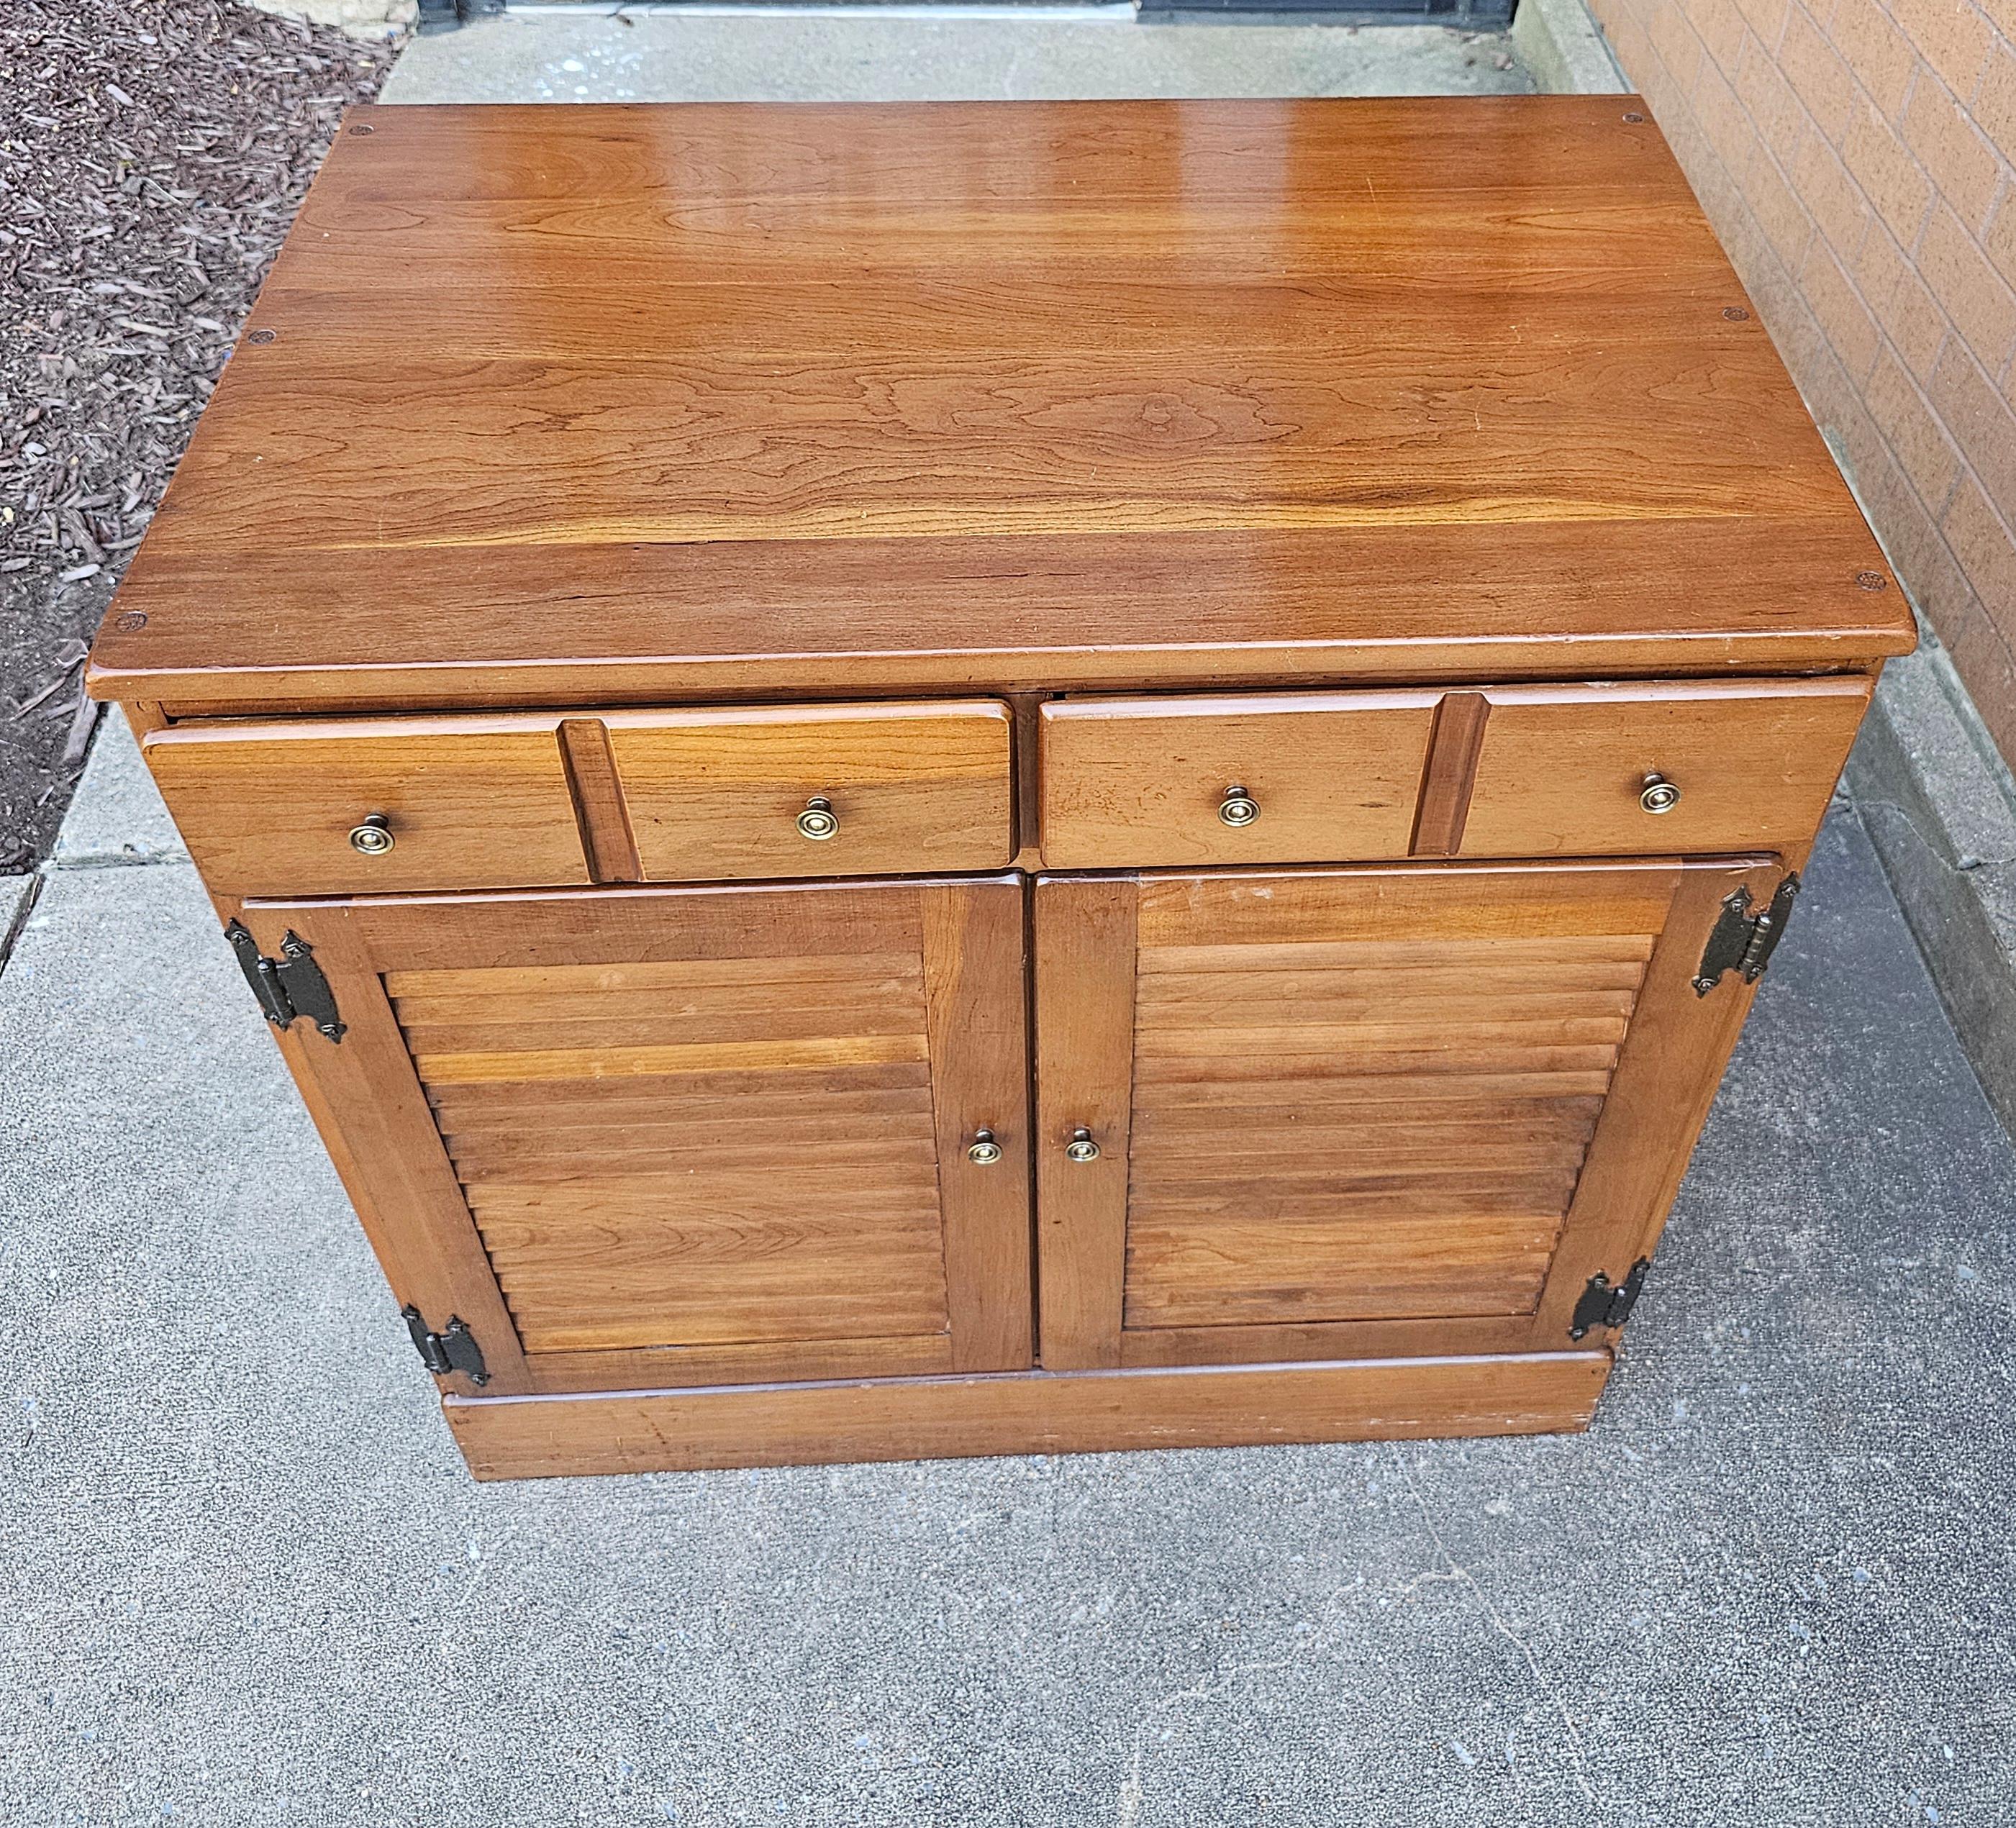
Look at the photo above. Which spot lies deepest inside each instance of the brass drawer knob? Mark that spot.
(818, 820)
(1238, 807)
(1658, 794)
(983, 1150)
(1081, 1147)
(373, 838)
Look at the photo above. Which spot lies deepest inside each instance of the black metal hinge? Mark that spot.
(1602, 1304)
(288, 986)
(453, 1348)
(1743, 941)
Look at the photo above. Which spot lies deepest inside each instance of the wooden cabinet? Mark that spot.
(1106, 776)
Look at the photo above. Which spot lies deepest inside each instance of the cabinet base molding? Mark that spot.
(1033, 1412)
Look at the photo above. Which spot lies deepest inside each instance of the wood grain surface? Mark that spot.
(1560, 768)
(719, 1129)
(1138, 782)
(865, 399)
(471, 803)
(717, 793)
(921, 1418)
(714, 794)
(1361, 1106)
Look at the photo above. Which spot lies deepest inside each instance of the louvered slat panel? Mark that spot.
(702, 1152)
(1338, 1129)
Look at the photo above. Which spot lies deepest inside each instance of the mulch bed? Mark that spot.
(153, 153)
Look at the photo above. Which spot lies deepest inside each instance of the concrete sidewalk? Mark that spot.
(873, 54)
(248, 1580)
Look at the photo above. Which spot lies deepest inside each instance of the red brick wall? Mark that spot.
(1855, 156)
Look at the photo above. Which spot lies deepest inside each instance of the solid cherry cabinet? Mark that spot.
(1003, 778)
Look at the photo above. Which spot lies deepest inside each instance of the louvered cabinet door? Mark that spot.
(1354, 1113)
(655, 1138)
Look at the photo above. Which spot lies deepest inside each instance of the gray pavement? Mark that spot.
(247, 1580)
(1041, 54)
(117, 817)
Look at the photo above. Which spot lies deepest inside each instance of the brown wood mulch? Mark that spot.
(151, 154)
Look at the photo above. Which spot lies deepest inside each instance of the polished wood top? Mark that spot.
(599, 403)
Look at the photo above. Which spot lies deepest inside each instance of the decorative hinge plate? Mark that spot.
(453, 1348)
(288, 986)
(1604, 1305)
(1742, 941)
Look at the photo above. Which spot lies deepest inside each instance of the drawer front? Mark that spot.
(1577, 770)
(901, 789)
(468, 802)
(543, 801)
(1144, 783)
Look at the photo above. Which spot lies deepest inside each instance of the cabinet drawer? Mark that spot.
(469, 803)
(540, 801)
(1738, 764)
(906, 788)
(1145, 782)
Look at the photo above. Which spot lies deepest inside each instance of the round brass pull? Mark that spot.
(818, 820)
(1238, 807)
(1081, 1147)
(983, 1150)
(373, 838)
(1658, 794)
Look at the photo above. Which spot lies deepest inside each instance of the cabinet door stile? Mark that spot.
(407, 1197)
(1085, 947)
(1666, 1079)
(973, 945)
